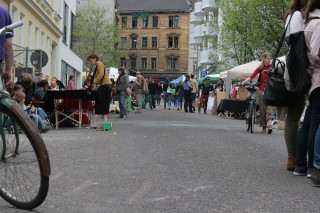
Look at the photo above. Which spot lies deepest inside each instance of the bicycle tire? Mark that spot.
(249, 119)
(252, 116)
(25, 165)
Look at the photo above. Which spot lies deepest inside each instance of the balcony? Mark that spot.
(193, 40)
(195, 19)
(207, 30)
(197, 32)
(206, 56)
(198, 9)
(209, 6)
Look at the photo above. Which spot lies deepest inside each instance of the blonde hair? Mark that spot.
(264, 56)
(19, 96)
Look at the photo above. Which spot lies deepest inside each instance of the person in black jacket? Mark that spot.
(152, 86)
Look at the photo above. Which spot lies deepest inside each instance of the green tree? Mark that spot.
(95, 32)
(249, 28)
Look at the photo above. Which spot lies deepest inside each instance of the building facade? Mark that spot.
(156, 37)
(203, 40)
(41, 44)
(70, 63)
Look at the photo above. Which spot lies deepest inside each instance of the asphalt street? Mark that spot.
(172, 161)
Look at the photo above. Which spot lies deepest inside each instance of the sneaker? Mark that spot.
(315, 177)
(300, 171)
(309, 172)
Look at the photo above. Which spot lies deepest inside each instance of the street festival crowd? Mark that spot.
(302, 137)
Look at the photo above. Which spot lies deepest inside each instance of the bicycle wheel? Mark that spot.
(253, 116)
(249, 118)
(24, 165)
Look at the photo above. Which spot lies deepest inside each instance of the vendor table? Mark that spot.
(66, 99)
(232, 105)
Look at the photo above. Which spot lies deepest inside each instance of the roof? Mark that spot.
(153, 5)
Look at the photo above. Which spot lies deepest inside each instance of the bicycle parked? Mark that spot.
(24, 163)
(251, 112)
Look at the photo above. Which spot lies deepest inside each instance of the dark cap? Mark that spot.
(207, 78)
(187, 76)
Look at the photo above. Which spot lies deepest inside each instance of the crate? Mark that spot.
(106, 126)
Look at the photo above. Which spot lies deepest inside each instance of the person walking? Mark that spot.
(138, 89)
(206, 87)
(101, 80)
(167, 94)
(152, 86)
(122, 84)
(265, 111)
(187, 88)
(306, 137)
(194, 92)
(297, 13)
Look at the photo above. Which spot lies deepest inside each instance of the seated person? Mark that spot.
(39, 93)
(55, 84)
(36, 114)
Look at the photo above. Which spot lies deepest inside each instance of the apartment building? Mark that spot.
(203, 39)
(70, 62)
(41, 44)
(155, 34)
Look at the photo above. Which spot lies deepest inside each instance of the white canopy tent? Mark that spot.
(242, 71)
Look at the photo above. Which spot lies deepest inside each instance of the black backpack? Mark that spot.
(297, 62)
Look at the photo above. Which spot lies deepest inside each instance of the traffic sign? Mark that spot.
(204, 73)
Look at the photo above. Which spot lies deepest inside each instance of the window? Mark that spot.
(143, 63)
(123, 63)
(124, 21)
(30, 33)
(65, 23)
(123, 42)
(133, 63)
(195, 65)
(155, 21)
(154, 42)
(134, 22)
(172, 63)
(173, 21)
(144, 42)
(134, 42)
(36, 37)
(145, 22)
(173, 42)
(153, 63)
(72, 29)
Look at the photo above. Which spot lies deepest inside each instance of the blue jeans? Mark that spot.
(41, 124)
(307, 133)
(152, 101)
(122, 103)
(167, 99)
(193, 99)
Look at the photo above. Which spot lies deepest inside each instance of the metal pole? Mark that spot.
(27, 54)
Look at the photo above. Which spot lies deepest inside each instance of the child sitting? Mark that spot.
(36, 114)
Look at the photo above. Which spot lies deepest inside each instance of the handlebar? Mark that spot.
(10, 27)
(251, 87)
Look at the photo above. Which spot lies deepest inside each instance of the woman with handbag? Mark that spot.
(102, 86)
(297, 13)
(265, 111)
